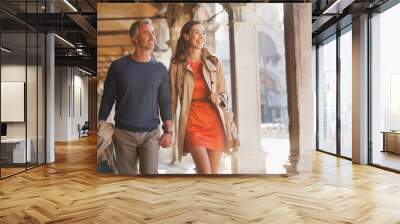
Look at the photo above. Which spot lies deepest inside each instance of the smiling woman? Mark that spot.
(201, 118)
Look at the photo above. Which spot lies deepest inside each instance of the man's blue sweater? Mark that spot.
(141, 92)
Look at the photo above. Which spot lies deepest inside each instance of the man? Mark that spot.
(140, 87)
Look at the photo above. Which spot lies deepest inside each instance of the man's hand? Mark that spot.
(166, 140)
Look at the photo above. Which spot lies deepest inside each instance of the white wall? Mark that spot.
(15, 73)
(71, 93)
(12, 73)
(79, 117)
(61, 103)
(33, 127)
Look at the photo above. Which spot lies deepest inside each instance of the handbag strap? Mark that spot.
(212, 91)
(211, 84)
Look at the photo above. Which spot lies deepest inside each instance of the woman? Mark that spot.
(197, 82)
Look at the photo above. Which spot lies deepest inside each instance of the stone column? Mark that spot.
(299, 80)
(246, 88)
(178, 17)
(162, 51)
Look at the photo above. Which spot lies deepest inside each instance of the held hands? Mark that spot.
(166, 140)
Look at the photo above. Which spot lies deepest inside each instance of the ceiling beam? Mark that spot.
(83, 61)
(83, 23)
(337, 7)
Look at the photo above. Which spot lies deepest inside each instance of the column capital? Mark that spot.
(243, 12)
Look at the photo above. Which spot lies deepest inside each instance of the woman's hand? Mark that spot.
(214, 98)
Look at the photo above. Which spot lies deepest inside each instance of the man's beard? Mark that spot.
(148, 46)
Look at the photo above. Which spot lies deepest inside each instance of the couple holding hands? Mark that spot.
(143, 89)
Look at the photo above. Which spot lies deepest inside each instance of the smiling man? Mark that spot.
(140, 87)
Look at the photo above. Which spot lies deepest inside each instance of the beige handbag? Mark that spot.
(233, 133)
(230, 127)
(231, 130)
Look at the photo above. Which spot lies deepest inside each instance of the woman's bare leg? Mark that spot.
(214, 157)
(200, 158)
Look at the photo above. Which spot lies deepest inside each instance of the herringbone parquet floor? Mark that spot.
(70, 191)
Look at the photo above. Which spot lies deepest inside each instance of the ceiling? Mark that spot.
(19, 54)
(332, 15)
(99, 29)
(72, 20)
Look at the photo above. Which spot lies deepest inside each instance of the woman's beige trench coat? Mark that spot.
(182, 83)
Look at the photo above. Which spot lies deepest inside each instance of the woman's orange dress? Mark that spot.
(204, 127)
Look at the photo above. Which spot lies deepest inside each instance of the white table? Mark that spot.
(17, 145)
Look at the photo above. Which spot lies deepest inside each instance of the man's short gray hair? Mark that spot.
(136, 25)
